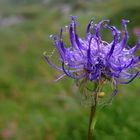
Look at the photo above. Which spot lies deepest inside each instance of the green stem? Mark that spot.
(92, 120)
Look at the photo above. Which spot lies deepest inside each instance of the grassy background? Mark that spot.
(32, 106)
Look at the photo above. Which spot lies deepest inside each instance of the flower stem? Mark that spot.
(92, 120)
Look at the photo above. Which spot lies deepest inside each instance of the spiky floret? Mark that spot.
(94, 58)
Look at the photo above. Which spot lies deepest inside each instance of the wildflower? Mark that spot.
(94, 58)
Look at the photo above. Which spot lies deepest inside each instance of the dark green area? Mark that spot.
(32, 106)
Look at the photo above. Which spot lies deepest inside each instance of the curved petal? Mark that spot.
(90, 25)
(89, 61)
(59, 45)
(61, 40)
(68, 73)
(72, 31)
(49, 62)
(99, 27)
(116, 34)
(80, 46)
(132, 50)
(97, 33)
(125, 36)
(127, 82)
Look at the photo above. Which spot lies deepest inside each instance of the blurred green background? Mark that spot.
(32, 106)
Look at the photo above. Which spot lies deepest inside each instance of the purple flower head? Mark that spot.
(94, 58)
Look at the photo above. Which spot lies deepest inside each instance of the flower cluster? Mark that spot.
(95, 59)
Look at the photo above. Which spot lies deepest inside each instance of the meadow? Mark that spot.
(32, 105)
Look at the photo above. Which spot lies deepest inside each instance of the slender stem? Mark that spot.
(92, 115)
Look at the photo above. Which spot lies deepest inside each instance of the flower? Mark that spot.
(94, 58)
